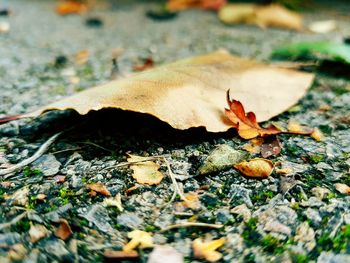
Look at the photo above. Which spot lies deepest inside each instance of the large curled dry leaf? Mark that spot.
(256, 168)
(145, 172)
(262, 15)
(177, 5)
(207, 249)
(191, 92)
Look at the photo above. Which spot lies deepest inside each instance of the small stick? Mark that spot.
(43, 148)
(190, 224)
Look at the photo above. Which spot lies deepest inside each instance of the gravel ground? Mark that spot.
(296, 217)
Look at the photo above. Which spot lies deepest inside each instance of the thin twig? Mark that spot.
(43, 148)
(13, 221)
(191, 224)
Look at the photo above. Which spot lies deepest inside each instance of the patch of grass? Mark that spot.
(317, 158)
(21, 226)
(262, 196)
(272, 245)
(339, 243)
(249, 234)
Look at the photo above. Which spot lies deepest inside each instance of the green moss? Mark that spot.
(272, 245)
(262, 196)
(317, 158)
(21, 226)
(300, 258)
(249, 234)
(339, 243)
(29, 172)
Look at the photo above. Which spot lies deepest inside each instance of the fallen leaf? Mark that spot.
(120, 255)
(270, 147)
(317, 135)
(246, 123)
(37, 232)
(145, 172)
(295, 127)
(139, 239)
(190, 93)
(178, 5)
(342, 188)
(192, 201)
(99, 188)
(254, 145)
(147, 64)
(63, 231)
(168, 254)
(207, 249)
(273, 15)
(256, 168)
(286, 170)
(81, 57)
(323, 27)
(314, 51)
(70, 7)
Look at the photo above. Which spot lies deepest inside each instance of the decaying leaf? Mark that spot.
(192, 201)
(270, 147)
(246, 123)
(191, 92)
(139, 239)
(314, 51)
(342, 188)
(178, 5)
(317, 135)
(99, 188)
(63, 231)
(295, 127)
(256, 168)
(70, 7)
(207, 249)
(262, 15)
(145, 172)
(120, 255)
(147, 64)
(254, 145)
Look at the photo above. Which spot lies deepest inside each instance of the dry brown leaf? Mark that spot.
(70, 7)
(120, 255)
(262, 15)
(63, 231)
(178, 5)
(191, 92)
(246, 123)
(147, 64)
(145, 172)
(99, 188)
(295, 127)
(317, 135)
(207, 249)
(139, 239)
(342, 188)
(256, 168)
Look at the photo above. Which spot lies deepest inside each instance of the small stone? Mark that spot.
(33, 257)
(167, 254)
(223, 216)
(306, 236)
(313, 215)
(312, 202)
(9, 239)
(47, 164)
(130, 220)
(20, 197)
(4, 27)
(221, 158)
(329, 257)
(57, 248)
(98, 215)
(17, 252)
(242, 210)
(239, 194)
(37, 232)
(320, 192)
(277, 227)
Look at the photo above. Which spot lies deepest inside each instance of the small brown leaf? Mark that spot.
(147, 64)
(246, 123)
(207, 249)
(63, 231)
(342, 188)
(295, 128)
(256, 168)
(70, 7)
(271, 146)
(99, 188)
(145, 172)
(120, 255)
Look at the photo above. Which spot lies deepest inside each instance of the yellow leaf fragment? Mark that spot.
(253, 146)
(192, 201)
(145, 172)
(139, 239)
(256, 168)
(273, 15)
(342, 188)
(207, 249)
(317, 135)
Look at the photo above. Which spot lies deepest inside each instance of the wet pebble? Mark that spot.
(47, 164)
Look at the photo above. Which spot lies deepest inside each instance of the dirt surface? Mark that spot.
(293, 217)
